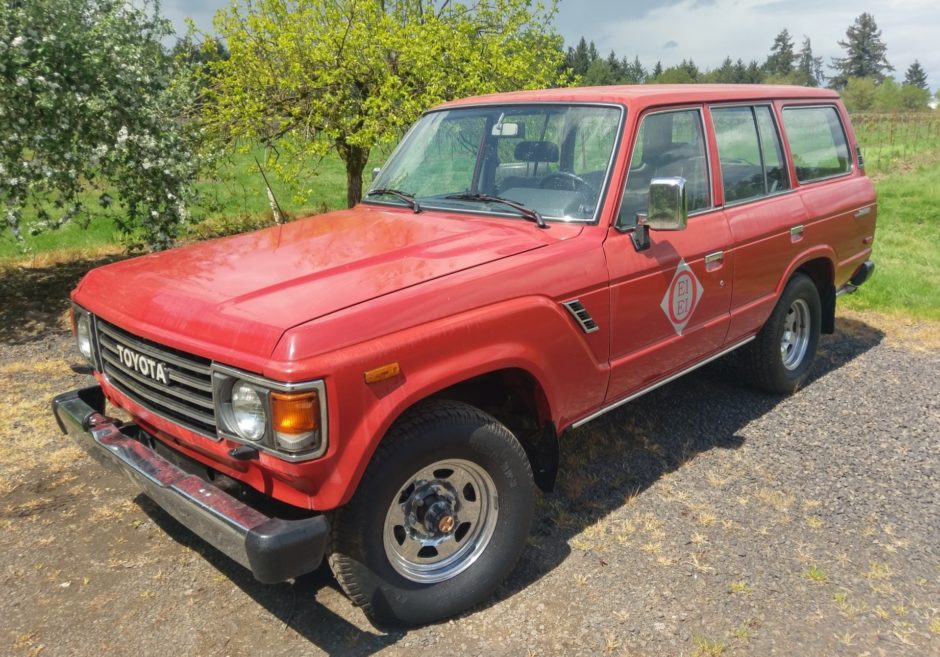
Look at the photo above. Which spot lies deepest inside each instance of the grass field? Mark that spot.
(907, 246)
(902, 154)
(236, 194)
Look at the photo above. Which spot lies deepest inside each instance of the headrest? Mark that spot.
(536, 151)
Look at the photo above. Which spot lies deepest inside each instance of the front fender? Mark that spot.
(534, 334)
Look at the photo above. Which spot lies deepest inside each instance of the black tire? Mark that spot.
(765, 361)
(433, 433)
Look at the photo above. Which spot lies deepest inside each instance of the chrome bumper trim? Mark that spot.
(273, 549)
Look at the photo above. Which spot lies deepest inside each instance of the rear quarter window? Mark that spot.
(817, 142)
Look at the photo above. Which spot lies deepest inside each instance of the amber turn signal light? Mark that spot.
(295, 413)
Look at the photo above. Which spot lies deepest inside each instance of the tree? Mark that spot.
(91, 102)
(916, 76)
(600, 73)
(859, 94)
(311, 76)
(781, 58)
(578, 58)
(633, 72)
(809, 68)
(657, 70)
(865, 53)
(913, 99)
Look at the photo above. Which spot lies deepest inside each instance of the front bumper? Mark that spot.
(272, 548)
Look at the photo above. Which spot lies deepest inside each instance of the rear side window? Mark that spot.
(750, 152)
(667, 144)
(817, 142)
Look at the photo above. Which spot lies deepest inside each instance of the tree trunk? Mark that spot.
(356, 158)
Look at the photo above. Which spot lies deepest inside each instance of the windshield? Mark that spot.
(550, 158)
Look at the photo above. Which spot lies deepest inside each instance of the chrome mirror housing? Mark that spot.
(668, 204)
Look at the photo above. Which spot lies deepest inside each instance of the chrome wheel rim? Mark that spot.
(440, 521)
(796, 333)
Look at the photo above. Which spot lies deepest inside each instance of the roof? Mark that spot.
(652, 94)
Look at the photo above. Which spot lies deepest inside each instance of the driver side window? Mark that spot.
(667, 144)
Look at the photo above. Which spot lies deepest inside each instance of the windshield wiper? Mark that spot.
(528, 213)
(405, 196)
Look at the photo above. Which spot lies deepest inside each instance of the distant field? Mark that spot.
(893, 141)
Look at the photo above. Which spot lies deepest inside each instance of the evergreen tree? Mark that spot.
(864, 53)
(916, 76)
(578, 58)
(809, 67)
(781, 58)
(724, 74)
(614, 64)
(690, 68)
(657, 70)
(633, 72)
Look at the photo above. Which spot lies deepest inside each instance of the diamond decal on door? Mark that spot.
(682, 297)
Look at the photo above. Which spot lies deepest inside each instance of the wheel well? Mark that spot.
(821, 271)
(516, 399)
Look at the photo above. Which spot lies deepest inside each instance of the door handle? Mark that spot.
(796, 233)
(717, 256)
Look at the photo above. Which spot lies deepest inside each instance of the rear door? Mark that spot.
(766, 217)
(670, 303)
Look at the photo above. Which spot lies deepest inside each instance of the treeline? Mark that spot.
(862, 75)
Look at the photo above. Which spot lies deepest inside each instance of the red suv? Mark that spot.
(386, 386)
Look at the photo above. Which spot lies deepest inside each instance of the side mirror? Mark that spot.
(669, 208)
(375, 172)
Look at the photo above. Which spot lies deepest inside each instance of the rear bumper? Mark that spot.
(273, 549)
(862, 274)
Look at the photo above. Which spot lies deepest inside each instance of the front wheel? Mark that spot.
(779, 360)
(439, 518)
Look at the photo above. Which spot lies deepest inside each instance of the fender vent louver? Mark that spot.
(581, 315)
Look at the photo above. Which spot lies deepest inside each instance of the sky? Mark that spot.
(708, 30)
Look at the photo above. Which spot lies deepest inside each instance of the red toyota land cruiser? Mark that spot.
(385, 386)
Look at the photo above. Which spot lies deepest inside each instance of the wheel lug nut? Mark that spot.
(446, 524)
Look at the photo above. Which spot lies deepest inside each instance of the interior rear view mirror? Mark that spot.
(504, 129)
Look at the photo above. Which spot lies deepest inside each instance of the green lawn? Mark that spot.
(907, 246)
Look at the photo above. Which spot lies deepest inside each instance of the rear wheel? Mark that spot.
(781, 357)
(439, 518)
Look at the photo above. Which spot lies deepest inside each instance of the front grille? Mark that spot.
(186, 396)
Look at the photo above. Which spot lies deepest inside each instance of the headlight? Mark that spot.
(248, 412)
(83, 335)
(288, 420)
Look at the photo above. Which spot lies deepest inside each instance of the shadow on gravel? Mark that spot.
(604, 464)
(32, 299)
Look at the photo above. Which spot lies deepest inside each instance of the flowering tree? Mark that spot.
(310, 76)
(90, 101)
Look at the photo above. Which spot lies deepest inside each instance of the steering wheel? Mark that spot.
(564, 180)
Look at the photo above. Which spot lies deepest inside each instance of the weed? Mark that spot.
(611, 643)
(814, 522)
(816, 574)
(708, 648)
(878, 570)
(739, 587)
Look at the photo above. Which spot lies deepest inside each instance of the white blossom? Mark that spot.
(18, 41)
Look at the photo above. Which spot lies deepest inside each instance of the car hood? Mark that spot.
(241, 293)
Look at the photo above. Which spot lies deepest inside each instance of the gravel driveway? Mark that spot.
(703, 519)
